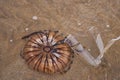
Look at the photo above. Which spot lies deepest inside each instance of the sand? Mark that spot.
(21, 17)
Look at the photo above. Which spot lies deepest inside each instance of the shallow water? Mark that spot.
(69, 17)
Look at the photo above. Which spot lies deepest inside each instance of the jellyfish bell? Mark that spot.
(46, 51)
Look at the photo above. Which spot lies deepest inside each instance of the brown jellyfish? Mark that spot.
(46, 51)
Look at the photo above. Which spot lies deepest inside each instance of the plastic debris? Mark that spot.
(78, 48)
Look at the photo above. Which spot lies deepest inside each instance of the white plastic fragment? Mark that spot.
(109, 44)
(78, 48)
(89, 58)
(81, 51)
(71, 40)
(99, 43)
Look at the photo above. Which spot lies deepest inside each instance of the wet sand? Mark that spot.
(69, 17)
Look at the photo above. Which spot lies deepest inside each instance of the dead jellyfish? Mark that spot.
(46, 51)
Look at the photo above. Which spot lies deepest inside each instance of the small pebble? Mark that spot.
(79, 24)
(108, 26)
(89, 49)
(11, 40)
(34, 17)
(26, 29)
